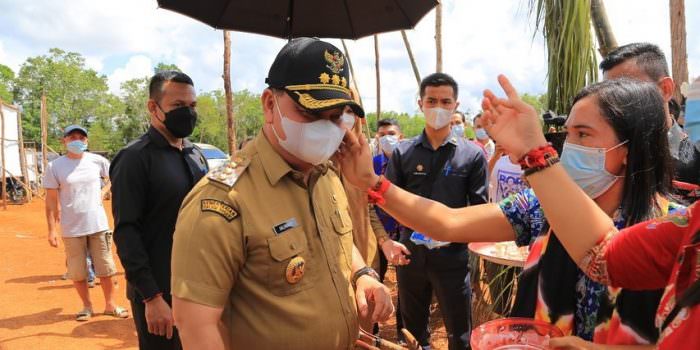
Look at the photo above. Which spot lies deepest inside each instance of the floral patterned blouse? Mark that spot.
(553, 289)
(661, 253)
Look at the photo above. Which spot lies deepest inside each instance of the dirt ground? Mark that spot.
(37, 307)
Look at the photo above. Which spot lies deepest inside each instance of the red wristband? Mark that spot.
(375, 195)
(537, 158)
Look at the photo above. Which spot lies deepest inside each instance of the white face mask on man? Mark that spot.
(437, 118)
(313, 142)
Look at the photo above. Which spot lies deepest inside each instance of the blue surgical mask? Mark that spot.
(692, 119)
(586, 166)
(76, 147)
(481, 134)
(458, 130)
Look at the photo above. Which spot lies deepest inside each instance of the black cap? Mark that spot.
(72, 128)
(314, 73)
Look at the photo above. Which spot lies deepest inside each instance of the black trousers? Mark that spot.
(148, 341)
(445, 272)
(383, 266)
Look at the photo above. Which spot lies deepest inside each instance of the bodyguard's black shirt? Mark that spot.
(462, 181)
(150, 178)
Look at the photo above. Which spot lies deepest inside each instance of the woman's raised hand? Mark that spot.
(511, 122)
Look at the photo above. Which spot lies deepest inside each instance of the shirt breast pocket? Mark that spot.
(342, 225)
(290, 268)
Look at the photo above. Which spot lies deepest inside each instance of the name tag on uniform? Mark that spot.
(285, 226)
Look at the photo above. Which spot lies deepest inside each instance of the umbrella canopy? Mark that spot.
(347, 19)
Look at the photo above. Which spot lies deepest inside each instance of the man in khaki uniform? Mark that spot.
(264, 245)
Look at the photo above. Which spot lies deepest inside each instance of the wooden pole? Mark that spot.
(44, 134)
(352, 71)
(438, 37)
(410, 56)
(376, 68)
(2, 155)
(601, 25)
(39, 180)
(230, 122)
(679, 53)
(23, 156)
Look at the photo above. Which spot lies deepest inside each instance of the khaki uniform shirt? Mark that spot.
(274, 253)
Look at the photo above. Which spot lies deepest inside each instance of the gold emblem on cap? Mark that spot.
(419, 168)
(343, 82)
(295, 270)
(307, 101)
(335, 79)
(335, 61)
(324, 78)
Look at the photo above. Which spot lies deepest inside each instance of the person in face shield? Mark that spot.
(150, 178)
(268, 237)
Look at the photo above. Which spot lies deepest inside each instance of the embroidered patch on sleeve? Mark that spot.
(219, 207)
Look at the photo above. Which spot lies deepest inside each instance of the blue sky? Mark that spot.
(124, 39)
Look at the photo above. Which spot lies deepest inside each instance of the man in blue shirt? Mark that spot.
(450, 170)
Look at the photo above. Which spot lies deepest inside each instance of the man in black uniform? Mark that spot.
(150, 178)
(452, 171)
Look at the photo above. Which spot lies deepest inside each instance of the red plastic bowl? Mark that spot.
(513, 334)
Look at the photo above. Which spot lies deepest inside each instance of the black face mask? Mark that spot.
(180, 121)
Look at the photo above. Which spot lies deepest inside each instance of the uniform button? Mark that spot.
(335, 200)
(292, 246)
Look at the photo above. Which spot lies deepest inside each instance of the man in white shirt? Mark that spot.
(74, 194)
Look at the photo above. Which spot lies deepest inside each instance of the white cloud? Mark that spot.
(138, 66)
(480, 40)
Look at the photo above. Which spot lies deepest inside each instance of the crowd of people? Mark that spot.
(288, 244)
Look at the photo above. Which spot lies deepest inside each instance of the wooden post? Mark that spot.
(44, 134)
(438, 37)
(39, 180)
(230, 122)
(23, 156)
(379, 85)
(353, 77)
(601, 25)
(2, 155)
(410, 56)
(679, 53)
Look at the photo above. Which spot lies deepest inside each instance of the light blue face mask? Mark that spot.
(76, 147)
(586, 166)
(692, 119)
(481, 134)
(458, 130)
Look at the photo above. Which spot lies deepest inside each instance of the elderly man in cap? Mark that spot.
(264, 245)
(74, 192)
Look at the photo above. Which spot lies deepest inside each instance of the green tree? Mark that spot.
(166, 66)
(74, 93)
(571, 57)
(134, 119)
(410, 125)
(7, 76)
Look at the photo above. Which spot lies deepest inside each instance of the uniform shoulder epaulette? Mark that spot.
(230, 172)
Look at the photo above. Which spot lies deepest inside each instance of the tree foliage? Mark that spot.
(6, 78)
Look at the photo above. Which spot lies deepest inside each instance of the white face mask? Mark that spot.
(437, 118)
(389, 143)
(313, 142)
(481, 134)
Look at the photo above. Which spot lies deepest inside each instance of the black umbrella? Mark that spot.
(347, 19)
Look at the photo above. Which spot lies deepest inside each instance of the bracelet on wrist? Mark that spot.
(364, 271)
(538, 159)
(153, 297)
(375, 195)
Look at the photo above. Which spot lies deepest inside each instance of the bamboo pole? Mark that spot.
(438, 38)
(2, 155)
(376, 68)
(44, 134)
(679, 53)
(23, 156)
(230, 122)
(410, 56)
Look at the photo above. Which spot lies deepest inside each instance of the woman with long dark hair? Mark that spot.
(660, 253)
(619, 157)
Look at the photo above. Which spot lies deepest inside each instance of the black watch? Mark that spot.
(364, 271)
